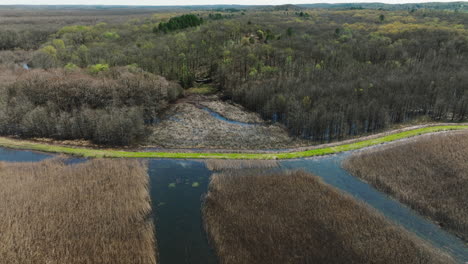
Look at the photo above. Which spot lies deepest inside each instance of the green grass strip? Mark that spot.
(100, 153)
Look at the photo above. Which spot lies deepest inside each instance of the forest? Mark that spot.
(323, 73)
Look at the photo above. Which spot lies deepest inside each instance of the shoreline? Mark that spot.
(302, 152)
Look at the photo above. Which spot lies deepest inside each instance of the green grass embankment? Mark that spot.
(111, 153)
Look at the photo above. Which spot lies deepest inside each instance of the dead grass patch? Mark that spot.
(293, 217)
(429, 173)
(185, 125)
(95, 212)
(218, 164)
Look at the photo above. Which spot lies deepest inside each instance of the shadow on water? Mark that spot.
(177, 188)
(329, 168)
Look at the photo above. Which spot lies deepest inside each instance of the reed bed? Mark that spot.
(218, 165)
(94, 212)
(429, 174)
(293, 217)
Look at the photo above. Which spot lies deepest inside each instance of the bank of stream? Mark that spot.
(330, 170)
(178, 186)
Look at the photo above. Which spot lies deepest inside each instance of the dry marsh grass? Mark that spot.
(430, 174)
(293, 217)
(184, 125)
(95, 212)
(217, 165)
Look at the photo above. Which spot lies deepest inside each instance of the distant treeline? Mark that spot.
(453, 6)
(325, 75)
(107, 109)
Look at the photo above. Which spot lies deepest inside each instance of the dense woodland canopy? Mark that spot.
(179, 22)
(110, 108)
(324, 73)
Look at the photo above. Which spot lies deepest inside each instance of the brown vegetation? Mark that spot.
(185, 125)
(294, 217)
(430, 174)
(233, 112)
(96, 212)
(218, 164)
(109, 108)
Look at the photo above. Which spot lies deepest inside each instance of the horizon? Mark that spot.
(179, 3)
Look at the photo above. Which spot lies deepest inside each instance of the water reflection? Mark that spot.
(177, 188)
(11, 155)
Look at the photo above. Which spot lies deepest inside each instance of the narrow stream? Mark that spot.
(329, 168)
(177, 187)
(222, 118)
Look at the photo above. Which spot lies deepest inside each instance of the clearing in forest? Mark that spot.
(201, 121)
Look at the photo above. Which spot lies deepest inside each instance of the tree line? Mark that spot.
(326, 75)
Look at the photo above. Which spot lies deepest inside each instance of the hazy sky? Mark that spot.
(193, 2)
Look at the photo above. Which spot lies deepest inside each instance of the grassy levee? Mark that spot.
(110, 153)
(294, 217)
(429, 174)
(94, 212)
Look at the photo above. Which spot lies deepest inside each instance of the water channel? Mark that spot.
(224, 119)
(177, 188)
